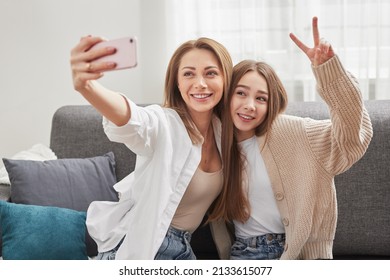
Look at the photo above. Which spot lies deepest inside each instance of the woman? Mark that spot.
(279, 189)
(178, 172)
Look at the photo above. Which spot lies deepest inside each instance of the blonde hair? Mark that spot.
(172, 96)
(233, 203)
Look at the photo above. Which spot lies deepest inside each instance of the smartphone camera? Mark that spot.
(131, 40)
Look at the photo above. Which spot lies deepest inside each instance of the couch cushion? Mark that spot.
(363, 191)
(42, 232)
(363, 194)
(67, 183)
(77, 132)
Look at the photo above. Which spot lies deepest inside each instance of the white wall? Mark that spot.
(35, 77)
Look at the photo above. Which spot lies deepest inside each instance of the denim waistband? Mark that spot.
(262, 239)
(174, 232)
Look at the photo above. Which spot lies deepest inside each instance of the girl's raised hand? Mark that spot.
(322, 50)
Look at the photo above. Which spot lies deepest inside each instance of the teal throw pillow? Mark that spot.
(32, 232)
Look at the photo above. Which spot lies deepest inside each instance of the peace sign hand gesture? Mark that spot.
(322, 50)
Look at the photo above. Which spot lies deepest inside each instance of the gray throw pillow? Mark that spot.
(69, 183)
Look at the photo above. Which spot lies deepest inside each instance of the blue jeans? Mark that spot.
(175, 246)
(265, 247)
(109, 255)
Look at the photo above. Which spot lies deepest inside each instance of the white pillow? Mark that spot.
(37, 152)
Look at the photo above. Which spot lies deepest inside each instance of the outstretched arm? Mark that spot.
(343, 141)
(321, 51)
(85, 72)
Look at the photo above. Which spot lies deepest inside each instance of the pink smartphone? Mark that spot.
(125, 55)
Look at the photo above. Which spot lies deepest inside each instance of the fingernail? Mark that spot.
(110, 49)
(84, 37)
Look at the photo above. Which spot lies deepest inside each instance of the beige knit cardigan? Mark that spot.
(302, 157)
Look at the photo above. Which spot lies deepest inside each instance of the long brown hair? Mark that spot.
(233, 203)
(173, 98)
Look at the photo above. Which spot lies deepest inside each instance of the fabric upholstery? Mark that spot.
(69, 183)
(33, 232)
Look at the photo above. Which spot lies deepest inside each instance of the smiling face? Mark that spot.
(200, 81)
(249, 104)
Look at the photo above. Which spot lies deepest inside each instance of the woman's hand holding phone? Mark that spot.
(90, 58)
(94, 55)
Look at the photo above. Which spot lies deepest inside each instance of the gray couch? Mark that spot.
(363, 192)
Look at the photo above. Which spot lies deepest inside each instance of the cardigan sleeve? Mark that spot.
(341, 141)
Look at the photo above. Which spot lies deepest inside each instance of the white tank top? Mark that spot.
(203, 189)
(265, 216)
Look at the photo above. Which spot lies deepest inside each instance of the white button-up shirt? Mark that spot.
(149, 196)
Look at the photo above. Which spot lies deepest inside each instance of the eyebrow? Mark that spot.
(194, 68)
(247, 87)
